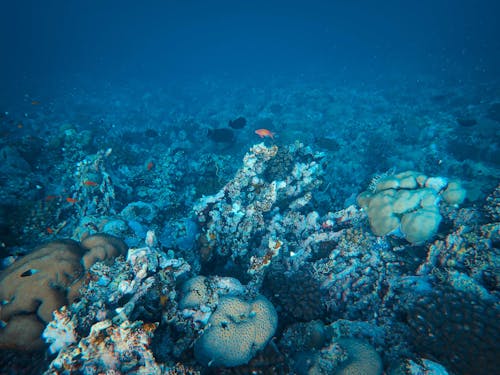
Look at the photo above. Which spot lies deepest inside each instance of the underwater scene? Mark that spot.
(250, 187)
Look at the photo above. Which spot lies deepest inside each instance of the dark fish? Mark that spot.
(238, 123)
(221, 135)
(151, 133)
(494, 112)
(467, 122)
(329, 144)
(29, 272)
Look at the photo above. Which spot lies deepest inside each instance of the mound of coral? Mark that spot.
(264, 283)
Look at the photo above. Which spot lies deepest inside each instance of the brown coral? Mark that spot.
(43, 281)
(102, 246)
(32, 288)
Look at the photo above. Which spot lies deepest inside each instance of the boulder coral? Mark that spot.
(236, 331)
(35, 286)
(43, 281)
(407, 204)
(362, 358)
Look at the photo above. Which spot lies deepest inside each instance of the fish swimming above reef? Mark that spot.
(221, 135)
(264, 133)
(238, 123)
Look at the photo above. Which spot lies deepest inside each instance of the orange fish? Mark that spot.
(90, 183)
(35, 102)
(50, 230)
(71, 200)
(150, 165)
(51, 197)
(264, 133)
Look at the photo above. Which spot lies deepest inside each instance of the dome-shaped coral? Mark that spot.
(407, 204)
(34, 287)
(43, 281)
(362, 358)
(236, 331)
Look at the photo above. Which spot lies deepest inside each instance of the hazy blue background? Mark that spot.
(51, 44)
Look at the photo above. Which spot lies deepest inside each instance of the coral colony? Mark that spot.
(291, 259)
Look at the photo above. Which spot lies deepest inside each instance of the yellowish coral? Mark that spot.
(43, 281)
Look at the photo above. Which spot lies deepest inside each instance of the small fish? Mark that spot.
(89, 183)
(71, 200)
(150, 165)
(35, 102)
(50, 230)
(264, 133)
(51, 197)
(29, 272)
(238, 123)
(20, 125)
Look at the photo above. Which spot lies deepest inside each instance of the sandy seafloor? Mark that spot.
(127, 160)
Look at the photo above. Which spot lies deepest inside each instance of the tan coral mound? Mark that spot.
(32, 288)
(43, 281)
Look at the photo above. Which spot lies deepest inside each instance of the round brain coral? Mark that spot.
(362, 358)
(236, 331)
(194, 293)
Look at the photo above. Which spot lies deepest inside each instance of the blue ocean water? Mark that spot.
(331, 168)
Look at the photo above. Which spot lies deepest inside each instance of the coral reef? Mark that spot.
(109, 347)
(263, 276)
(248, 219)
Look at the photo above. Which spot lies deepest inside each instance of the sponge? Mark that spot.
(236, 331)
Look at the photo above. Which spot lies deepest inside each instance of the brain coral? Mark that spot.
(236, 331)
(33, 287)
(43, 281)
(362, 358)
(195, 293)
